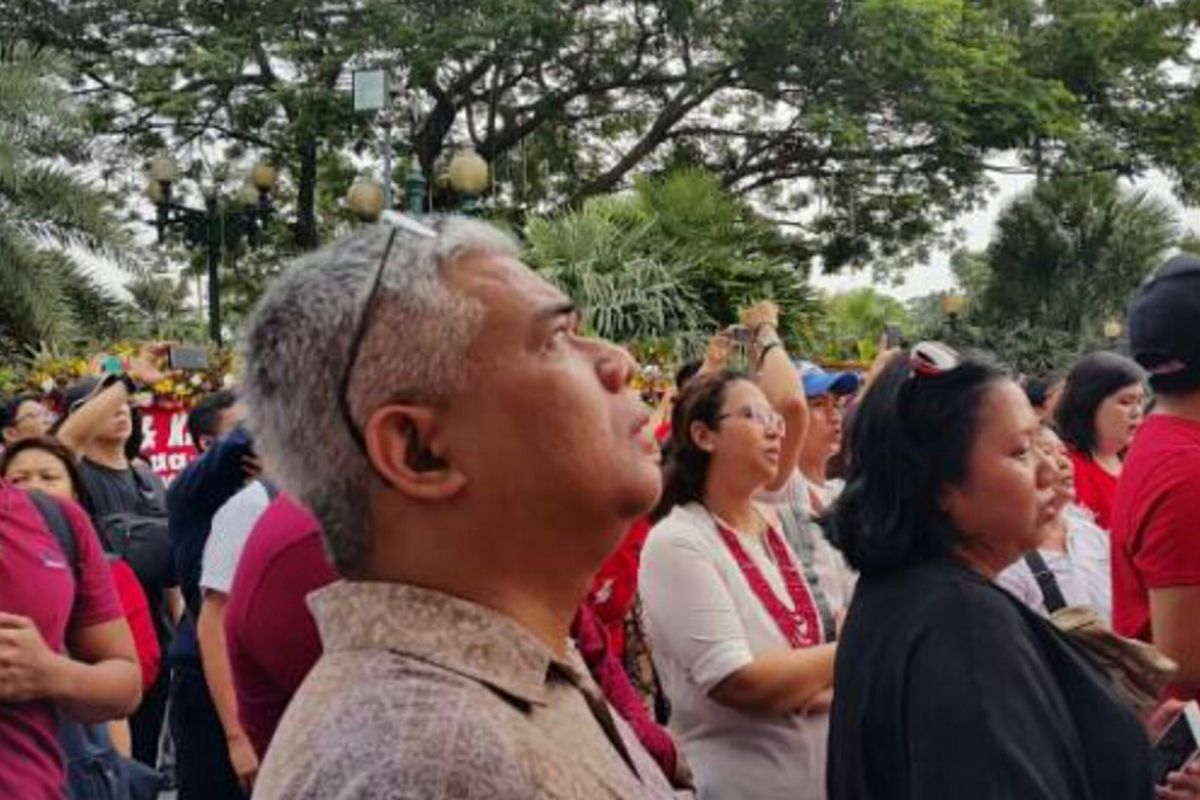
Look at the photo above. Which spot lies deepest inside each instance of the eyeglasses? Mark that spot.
(765, 418)
(399, 224)
(931, 359)
(41, 414)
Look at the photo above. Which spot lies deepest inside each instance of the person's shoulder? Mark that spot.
(1162, 462)
(285, 535)
(686, 526)
(397, 725)
(939, 591)
(1165, 441)
(251, 500)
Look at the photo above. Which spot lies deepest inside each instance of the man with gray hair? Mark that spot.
(472, 458)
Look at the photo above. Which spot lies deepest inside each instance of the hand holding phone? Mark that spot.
(740, 334)
(183, 357)
(1179, 744)
(891, 336)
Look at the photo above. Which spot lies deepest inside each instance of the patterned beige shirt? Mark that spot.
(421, 696)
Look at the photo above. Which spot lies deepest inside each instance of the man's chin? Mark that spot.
(637, 500)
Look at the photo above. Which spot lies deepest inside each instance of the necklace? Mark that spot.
(802, 626)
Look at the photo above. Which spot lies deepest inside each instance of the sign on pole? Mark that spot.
(370, 89)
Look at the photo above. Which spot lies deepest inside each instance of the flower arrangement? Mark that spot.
(49, 372)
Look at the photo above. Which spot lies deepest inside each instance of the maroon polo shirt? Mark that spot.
(36, 581)
(272, 637)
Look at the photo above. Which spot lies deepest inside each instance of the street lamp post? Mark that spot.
(216, 226)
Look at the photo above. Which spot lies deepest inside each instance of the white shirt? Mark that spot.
(231, 528)
(705, 623)
(837, 577)
(1083, 573)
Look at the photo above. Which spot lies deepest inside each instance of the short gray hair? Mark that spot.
(415, 348)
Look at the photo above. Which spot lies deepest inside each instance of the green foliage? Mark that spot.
(869, 124)
(1067, 255)
(51, 214)
(160, 310)
(854, 322)
(671, 261)
(1065, 258)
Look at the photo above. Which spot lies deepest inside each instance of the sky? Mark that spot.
(977, 226)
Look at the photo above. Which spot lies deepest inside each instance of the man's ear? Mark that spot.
(406, 450)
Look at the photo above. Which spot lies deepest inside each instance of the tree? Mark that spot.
(867, 125)
(160, 309)
(672, 261)
(1067, 255)
(51, 215)
(1065, 258)
(853, 323)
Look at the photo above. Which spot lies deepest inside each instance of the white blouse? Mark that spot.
(1083, 573)
(705, 623)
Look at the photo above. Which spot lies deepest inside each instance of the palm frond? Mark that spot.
(48, 210)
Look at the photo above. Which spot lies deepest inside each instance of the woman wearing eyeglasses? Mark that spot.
(740, 630)
(946, 685)
(23, 417)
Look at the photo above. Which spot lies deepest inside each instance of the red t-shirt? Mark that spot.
(1156, 522)
(36, 581)
(272, 637)
(141, 624)
(614, 589)
(1095, 488)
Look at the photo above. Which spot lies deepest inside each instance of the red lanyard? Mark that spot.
(802, 627)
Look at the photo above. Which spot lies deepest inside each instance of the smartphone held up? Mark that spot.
(1179, 744)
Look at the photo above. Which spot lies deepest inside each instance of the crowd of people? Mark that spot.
(434, 546)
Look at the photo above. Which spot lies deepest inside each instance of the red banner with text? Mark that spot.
(167, 446)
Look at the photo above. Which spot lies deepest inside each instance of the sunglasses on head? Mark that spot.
(931, 359)
(399, 224)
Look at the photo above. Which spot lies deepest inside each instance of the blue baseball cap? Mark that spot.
(818, 382)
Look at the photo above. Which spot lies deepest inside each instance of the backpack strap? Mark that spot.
(147, 483)
(1052, 596)
(56, 520)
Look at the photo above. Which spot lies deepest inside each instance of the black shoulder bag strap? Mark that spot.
(1052, 596)
(56, 520)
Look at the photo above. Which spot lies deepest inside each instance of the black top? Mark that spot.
(113, 491)
(946, 686)
(195, 496)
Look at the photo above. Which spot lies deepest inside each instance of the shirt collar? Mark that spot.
(453, 633)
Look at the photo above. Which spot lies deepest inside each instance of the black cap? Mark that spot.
(77, 392)
(1164, 325)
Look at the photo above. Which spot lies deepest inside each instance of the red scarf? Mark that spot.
(802, 627)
